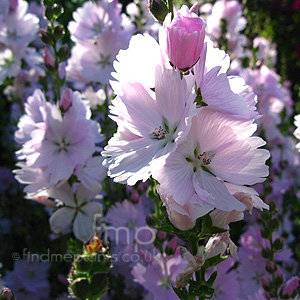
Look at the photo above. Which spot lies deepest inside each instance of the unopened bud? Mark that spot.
(278, 278)
(271, 267)
(66, 101)
(49, 60)
(266, 283)
(45, 36)
(158, 9)
(135, 196)
(150, 220)
(95, 245)
(161, 236)
(172, 246)
(58, 32)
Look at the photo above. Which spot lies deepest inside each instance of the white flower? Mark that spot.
(78, 209)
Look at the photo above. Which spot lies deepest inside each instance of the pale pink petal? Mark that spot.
(83, 223)
(223, 199)
(61, 219)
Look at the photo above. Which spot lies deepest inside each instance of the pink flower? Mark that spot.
(184, 38)
(54, 143)
(246, 195)
(78, 210)
(222, 92)
(159, 277)
(137, 63)
(150, 125)
(183, 216)
(216, 145)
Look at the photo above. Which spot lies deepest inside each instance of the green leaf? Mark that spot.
(183, 294)
(274, 225)
(213, 261)
(212, 279)
(267, 253)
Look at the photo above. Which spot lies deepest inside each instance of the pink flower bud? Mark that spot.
(265, 283)
(290, 286)
(161, 236)
(184, 38)
(49, 59)
(65, 101)
(135, 196)
(173, 243)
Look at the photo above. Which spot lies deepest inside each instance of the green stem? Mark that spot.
(57, 85)
(106, 118)
(170, 6)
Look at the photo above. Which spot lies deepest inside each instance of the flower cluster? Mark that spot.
(18, 29)
(165, 131)
(59, 142)
(99, 31)
(191, 109)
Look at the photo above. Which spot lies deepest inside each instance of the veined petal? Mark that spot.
(61, 219)
(223, 200)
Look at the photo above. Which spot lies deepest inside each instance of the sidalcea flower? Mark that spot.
(183, 216)
(34, 178)
(133, 234)
(226, 285)
(246, 195)
(99, 31)
(20, 27)
(90, 21)
(183, 38)
(218, 145)
(34, 115)
(290, 287)
(57, 143)
(92, 61)
(229, 94)
(194, 264)
(29, 280)
(231, 11)
(216, 245)
(92, 173)
(94, 19)
(10, 64)
(78, 209)
(137, 63)
(150, 125)
(159, 276)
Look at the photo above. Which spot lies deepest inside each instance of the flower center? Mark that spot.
(62, 146)
(131, 225)
(105, 60)
(159, 133)
(200, 160)
(205, 158)
(166, 282)
(98, 28)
